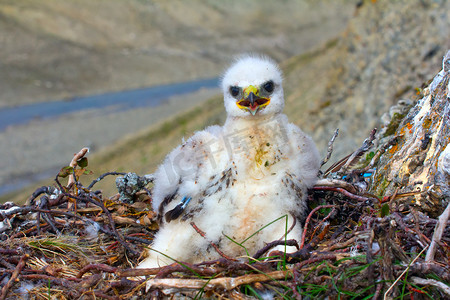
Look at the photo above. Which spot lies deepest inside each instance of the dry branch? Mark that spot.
(221, 284)
(73, 164)
(421, 281)
(14, 276)
(438, 232)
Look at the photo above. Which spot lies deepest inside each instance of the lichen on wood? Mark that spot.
(416, 164)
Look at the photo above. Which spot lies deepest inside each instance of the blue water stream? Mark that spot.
(123, 100)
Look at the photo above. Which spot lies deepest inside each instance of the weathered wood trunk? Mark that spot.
(415, 166)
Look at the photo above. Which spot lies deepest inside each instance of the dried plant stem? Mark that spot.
(403, 273)
(73, 164)
(330, 147)
(437, 235)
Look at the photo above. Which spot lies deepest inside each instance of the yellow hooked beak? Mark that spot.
(251, 100)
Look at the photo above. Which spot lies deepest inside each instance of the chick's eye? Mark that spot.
(234, 91)
(268, 86)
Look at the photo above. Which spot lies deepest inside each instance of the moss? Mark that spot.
(393, 125)
(381, 188)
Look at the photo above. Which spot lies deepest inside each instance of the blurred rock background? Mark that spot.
(54, 49)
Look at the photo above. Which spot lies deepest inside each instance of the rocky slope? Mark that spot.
(57, 49)
(388, 51)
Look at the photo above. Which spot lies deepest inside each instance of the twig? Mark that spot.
(138, 272)
(290, 228)
(342, 191)
(445, 288)
(178, 267)
(203, 234)
(66, 282)
(73, 164)
(343, 244)
(403, 273)
(140, 240)
(399, 220)
(330, 147)
(364, 148)
(274, 244)
(14, 276)
(301, 264)
(426, 268)
(223, 283)
(40, 191)
(343, 164)
(216, 266)
(377, 293)
(98, 267)
(103, 176)
(437, 235)
(51, 222)
(309, 218)
(5, 213)
(336, 183)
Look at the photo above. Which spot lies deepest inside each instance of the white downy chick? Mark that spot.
(231, 182)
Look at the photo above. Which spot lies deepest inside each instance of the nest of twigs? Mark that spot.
(71, 242)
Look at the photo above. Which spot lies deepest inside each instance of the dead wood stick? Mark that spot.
(183, 267)
(203, 234)
(14, 276)
(330, 147)
(300, 265)
(222, 283)
(309, 218)
(6, 264)
(336, 183)
(269, 246)
(421, 281)
(426, 268)
(99, 267)
(73, 164)
(437, 235)
(103, 176)
(165, 270)
(343, 244)
(5, 213)
(377, 293)
(342, 191)
(138, 272)
(364, 148)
